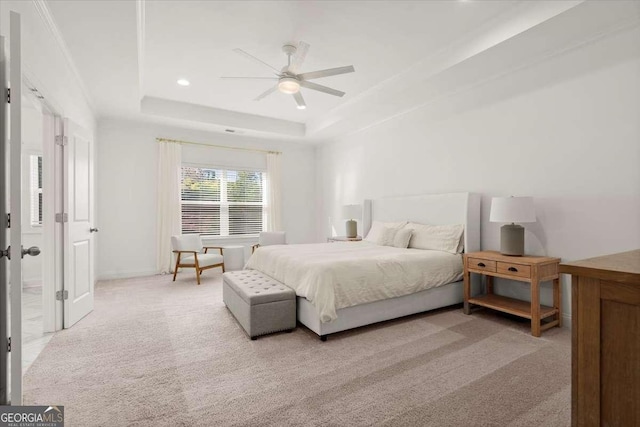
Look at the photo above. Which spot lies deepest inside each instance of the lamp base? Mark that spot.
(512, 240)
(352, 228)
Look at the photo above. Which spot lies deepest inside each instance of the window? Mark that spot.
(35, 169)
(218, 202)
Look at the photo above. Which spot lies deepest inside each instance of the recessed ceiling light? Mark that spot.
(183, 82)
(301, 107)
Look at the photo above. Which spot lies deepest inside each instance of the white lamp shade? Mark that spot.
(352, 211)
(512, 209)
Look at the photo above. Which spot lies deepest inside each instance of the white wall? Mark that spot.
(45, 63)
(127, 201)
(566, 131)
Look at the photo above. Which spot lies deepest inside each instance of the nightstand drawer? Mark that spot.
(514, 269)
(479, 264)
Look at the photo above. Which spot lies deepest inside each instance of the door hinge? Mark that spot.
(62, 295)
(62, 217)
(9, 344)
(8, 220)
(61, 140)
(9, 95)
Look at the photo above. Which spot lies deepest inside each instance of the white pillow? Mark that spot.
(402, 237)
(376, 229)
(444, 238)
(387, 235)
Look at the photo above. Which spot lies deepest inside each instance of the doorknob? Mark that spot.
(33, 251)
(93, 230)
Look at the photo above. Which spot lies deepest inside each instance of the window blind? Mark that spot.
(221, 202)
(35, 166)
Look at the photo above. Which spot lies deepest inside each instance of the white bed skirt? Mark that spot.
(379, 311)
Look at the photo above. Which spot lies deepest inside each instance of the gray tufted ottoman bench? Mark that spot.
(260, 304)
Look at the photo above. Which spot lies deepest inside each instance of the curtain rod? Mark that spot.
(227, 147)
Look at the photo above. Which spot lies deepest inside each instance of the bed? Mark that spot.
(346, 285)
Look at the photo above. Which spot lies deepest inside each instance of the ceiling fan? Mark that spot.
(289, 81)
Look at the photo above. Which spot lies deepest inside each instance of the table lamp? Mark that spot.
(350, 212)
(512, 210)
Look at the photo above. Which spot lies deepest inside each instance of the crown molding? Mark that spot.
(542, 36)
(473, 43)
(219, 117)
(47, 18)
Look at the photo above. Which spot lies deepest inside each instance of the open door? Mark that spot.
(78, 218)
(11, 94)
(4, 282)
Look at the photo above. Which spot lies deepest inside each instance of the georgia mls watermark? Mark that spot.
(31, 416)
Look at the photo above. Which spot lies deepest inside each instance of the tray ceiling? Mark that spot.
(130, 55)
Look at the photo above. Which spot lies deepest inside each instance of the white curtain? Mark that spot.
(274, 214)
(169, 221)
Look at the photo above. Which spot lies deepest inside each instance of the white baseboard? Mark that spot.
(114, 275)
(566, 320)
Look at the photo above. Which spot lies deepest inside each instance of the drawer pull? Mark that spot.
(513, 269)
(481, 264)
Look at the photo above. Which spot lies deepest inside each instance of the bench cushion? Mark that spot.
(204, 260)
(255, 287)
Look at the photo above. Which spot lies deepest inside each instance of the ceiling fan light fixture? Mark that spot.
(288, 85)
(289, 79)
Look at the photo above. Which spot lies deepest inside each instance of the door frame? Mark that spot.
(52, 234)
(51, 279)
(52, 267)
(53, 203)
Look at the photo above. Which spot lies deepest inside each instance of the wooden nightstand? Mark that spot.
(343, 239)
(532, 269)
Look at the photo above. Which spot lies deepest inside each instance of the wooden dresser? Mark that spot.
(605, 385)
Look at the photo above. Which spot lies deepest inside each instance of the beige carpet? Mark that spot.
(157, 353)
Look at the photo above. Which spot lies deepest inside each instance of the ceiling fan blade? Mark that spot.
(299, 100)
(253, 58)
(298, 58)
(266, 93)
(243, 77)
(326, 73)
(320, 88)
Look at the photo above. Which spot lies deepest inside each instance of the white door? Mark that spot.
(14, 252)
(79, 229)
(15, 207)
(4, 294)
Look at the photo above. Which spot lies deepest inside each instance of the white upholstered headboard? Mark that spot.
(435, 209)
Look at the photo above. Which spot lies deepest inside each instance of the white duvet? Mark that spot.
(343, 274)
